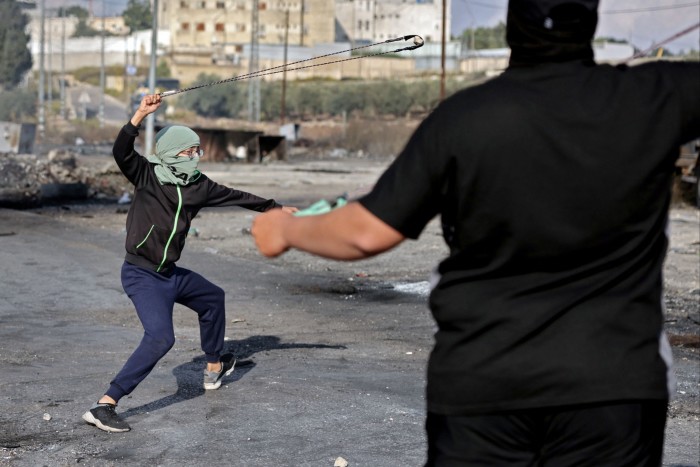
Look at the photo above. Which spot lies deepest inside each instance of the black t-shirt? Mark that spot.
(553, 186)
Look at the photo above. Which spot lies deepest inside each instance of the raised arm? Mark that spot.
(147, 106)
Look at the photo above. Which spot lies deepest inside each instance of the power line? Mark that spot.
(605, 12)
(652, 8)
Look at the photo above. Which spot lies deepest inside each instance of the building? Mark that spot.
(211, 35)
(370, 21)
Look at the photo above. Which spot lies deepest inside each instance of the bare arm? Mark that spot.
(148, 105)
(347, 233)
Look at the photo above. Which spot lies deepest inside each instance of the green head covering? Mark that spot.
(171, 168)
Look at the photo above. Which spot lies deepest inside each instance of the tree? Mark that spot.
(486, 38)
(137, 15)
(15, 57)
(215, 101)
(77, 11)
(18, 105)
(83, 30)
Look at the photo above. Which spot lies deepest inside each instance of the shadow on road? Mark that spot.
(189, 375)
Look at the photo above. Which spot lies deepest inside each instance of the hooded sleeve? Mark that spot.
(221, 195)
(130, 162)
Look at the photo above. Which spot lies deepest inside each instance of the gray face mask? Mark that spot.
(182, 168)
(172, 168)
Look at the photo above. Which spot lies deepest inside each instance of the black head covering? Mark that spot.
(540, 31)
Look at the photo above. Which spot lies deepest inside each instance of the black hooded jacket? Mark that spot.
(160, 215)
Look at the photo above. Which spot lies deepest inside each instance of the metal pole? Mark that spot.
(126, 74)
(41, 115)
(49, 77)
(442, 55)
(102, 69)
(254, 84)
(284, 70)
(62, 83)
(150, 120)
(301, 29)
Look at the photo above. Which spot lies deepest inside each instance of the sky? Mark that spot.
(640, 22)
(643, 23)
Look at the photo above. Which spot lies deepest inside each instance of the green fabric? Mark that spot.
(171, 168)
(321, 207)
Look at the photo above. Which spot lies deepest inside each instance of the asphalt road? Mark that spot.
(328, 367)
(325, 372)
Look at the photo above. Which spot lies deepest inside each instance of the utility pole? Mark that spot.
(102, 69)
(41, 115)
(126, 73)
(301, 28)
(253, 66)
(284, 70)
(442, 55)
(150, 120)
(49, 77)
(62, 83)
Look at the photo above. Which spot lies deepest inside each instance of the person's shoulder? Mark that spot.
(661, 66)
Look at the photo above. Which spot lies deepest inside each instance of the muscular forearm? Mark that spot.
(348, 233)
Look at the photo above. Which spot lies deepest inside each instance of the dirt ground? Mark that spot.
(223, 235)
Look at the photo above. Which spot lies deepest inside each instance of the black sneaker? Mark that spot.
(104, 417)
(212, 379)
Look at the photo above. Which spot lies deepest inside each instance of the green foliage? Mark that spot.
(390, 97)
(137, 15)
(77, 11)
(224, 100)
(485, 38)
(312, 99)
(163, 70)
(15, 57)
(18, 105)
(345, 97)
(83, 30)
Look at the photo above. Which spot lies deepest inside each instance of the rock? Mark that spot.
(47, 417)
(340, 462)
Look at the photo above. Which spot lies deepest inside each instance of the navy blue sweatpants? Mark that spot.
(154, 296)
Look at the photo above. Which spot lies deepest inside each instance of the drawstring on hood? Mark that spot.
(171, 168)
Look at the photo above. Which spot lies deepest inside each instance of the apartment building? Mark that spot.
(218, 30)
(370, 21)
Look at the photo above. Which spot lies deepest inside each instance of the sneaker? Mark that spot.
(212, 379)
(104, 417)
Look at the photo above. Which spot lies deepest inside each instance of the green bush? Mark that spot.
(17, 105)
(313, 99)
(222, 100)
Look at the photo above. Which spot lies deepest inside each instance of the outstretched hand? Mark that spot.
(149, 104)
(268, 231)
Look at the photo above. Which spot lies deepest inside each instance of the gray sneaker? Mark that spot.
(212, 379)
(104, 417)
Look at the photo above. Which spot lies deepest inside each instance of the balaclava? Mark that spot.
(171, 168)
(539, 31)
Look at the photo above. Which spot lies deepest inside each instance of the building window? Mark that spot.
(184, 4)
(262, 6)
(185, 26)
(220, 5)
(200, 26)
(202, 5)
(219, 27)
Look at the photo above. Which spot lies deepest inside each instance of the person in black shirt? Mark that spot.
(169, 191)
(553, 186)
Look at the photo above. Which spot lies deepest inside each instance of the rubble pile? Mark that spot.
(28, 180)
